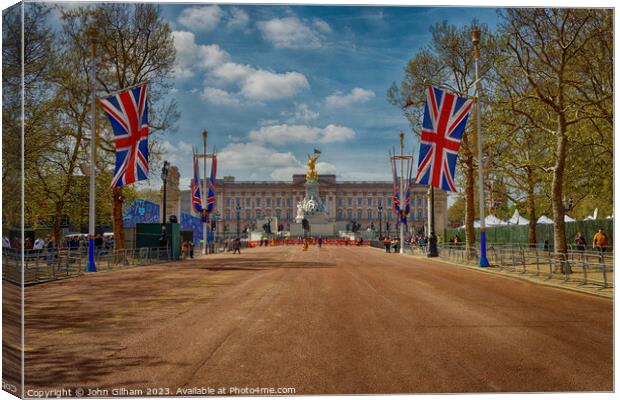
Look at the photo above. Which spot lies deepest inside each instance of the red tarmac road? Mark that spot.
(325, 321)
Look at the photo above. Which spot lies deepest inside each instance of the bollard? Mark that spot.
(584, 266)
(604, 269)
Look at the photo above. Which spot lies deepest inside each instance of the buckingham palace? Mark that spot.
(245, 202)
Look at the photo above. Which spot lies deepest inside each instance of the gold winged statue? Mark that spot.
(311, 173)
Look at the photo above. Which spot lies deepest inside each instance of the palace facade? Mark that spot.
(345, 201)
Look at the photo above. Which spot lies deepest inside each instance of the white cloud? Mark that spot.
(281, 134)
(321, 25)
(302, 113)
(201, 18)
(219, 97)
(325, 168)
(191, 56)
(266, 85)
(356, 96)
(238, 18)
(292, 33)
(232, 72)
(177, 154)
(259, 84)
(254, 156)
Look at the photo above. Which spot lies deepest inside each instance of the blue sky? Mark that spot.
(270, 83)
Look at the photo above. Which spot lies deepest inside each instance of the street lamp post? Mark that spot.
(380, 209)
(204, 192)
(475, 38)
(91, 267)
(164, 178)
(238, 221)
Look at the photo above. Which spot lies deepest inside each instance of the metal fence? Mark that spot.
(44, 266)
(582, 267)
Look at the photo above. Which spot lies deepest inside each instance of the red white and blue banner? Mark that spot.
(196, 198)
(128, 114)
(211, 195)
(445, 117)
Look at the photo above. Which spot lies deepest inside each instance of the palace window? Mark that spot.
(288, 202)
(257, 214)
(369, 214)
(359, 214)
(349, 215)
(268, 200)
(278, 214)
(369, 202)
(288, 215)
(278, 202)
(350, 201)
(247, 202)
(339, 202)
(339, 215)
(420, 214)
(257, 202)
(248, 215)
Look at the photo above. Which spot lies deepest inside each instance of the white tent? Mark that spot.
(568, 219)
(489, 221)
(544, 220)
(517, 219)
(589, 218)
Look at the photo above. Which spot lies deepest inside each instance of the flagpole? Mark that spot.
(484, 262)
(91, 267)
(402, 194)
(204, 192)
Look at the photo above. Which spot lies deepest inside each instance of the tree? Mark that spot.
(551, 48)
(448, 63)
(134, 45)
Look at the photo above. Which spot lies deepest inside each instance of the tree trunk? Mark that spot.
(559, 231)
(117, 214)
(56, 228)
(531, 210)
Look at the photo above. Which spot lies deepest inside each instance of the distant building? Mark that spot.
(345, 201)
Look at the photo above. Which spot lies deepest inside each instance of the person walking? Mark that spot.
(599, 241)
(191, 248)
(387, 244)
(50, 252)
(184, 250)
(319, 242)
(580, 242)
(237, 246)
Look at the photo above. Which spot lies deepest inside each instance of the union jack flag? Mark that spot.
(196, 199)
(445, 116)
(128, 114)
(211, 195)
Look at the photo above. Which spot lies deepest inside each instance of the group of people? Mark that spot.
(103, 243)
(391, 244)
(233, 245)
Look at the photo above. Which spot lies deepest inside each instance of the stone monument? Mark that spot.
(312, 208)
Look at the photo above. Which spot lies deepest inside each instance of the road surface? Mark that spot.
(326, 321)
